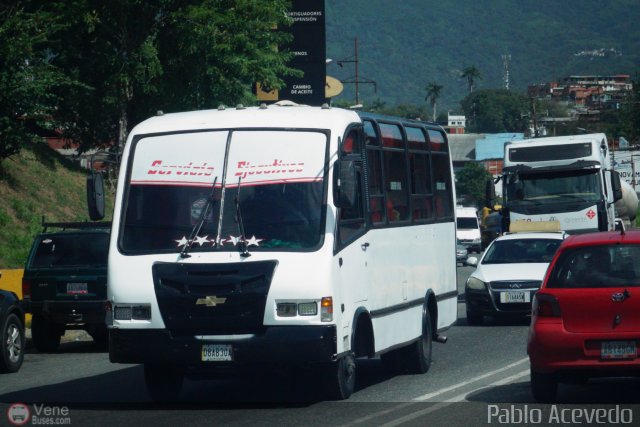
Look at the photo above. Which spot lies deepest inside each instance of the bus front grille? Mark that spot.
(209, 299)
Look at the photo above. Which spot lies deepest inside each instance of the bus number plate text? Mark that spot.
(216, 353)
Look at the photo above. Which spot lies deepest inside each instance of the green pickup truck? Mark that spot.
(65, 282)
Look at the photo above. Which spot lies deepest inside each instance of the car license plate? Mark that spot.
(618, 350)
(507, 297)
(217, 353)
(77, 288)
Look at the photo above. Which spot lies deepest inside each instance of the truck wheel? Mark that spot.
(340, 377)
(45, 334)
(164, 382)
(544, 387)
(12, 343)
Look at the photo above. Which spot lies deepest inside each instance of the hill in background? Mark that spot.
(37, 182)
(404, 45)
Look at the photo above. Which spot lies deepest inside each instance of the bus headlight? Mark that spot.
(307, 309)
(291, 309)
(477, 284)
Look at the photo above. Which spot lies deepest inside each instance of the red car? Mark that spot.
(586, 316)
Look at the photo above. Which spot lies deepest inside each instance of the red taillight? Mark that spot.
(26, 289)
(545, 305)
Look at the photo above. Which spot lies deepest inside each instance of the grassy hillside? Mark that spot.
(34, 183)
(406, 44)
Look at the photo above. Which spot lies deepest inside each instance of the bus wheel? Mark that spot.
(164, 382)
(340, 377)
(418, 354)
(45, 334)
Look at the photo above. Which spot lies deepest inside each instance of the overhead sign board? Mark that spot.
(309, 55)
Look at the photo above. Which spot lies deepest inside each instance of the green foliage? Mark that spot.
(495, 111)
(34, 183)
(471, 74)
(471, 183)
(27, 76)
(400, 42)
(135, 57)
(433, 90)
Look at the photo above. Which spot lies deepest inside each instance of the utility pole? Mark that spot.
(505, 65)
(357, 79)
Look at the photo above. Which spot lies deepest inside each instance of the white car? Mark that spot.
(509, 273)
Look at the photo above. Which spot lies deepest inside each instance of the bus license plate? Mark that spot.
(77, 288)
(217, 353)
(618, 350)
(507, 297)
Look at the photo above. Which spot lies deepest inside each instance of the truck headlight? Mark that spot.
(132, 312)
(477, 284)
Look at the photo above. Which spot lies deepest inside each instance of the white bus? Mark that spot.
(293, 235)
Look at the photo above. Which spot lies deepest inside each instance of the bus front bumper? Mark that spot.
(276, 344)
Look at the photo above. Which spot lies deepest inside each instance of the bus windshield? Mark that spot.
(269, 191)
(560, 187)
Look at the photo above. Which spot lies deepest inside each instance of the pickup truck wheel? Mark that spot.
(45, 334)
(12, 344)
(100, 336)
(164, 382)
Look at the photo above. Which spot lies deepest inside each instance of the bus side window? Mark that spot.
(351, 220)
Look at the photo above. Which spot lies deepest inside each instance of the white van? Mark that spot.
(468, 228)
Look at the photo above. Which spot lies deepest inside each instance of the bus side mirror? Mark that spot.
(616, 186)
(489, 193)
(345, 194)
(95, 195)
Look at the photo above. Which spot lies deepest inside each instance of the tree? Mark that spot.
(496, 110)
(27, 76)
(471, 183)
(136, 57)
(472, 74)
(433, 93)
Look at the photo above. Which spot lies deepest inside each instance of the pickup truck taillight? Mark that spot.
(26, 289)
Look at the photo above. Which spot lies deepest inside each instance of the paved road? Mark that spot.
(481, 371)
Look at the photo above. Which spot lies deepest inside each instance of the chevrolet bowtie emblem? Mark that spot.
(210, 301)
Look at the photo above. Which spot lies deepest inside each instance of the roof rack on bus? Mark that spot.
(78, 224)
(532, 226)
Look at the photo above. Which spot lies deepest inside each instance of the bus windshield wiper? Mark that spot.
(201, 221)
(244, 248)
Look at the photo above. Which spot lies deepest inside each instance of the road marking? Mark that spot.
(459, 398)
(463, 397)
(472, 380)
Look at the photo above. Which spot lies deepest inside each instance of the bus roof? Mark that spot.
(275, 115)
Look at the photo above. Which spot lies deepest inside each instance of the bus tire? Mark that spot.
(45, 334)
(164, 382)
(418, 354)
(392, 361)
(340, 377)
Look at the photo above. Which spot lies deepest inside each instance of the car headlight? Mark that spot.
(474, 283)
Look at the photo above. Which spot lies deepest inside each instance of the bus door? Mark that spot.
(351, 240)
